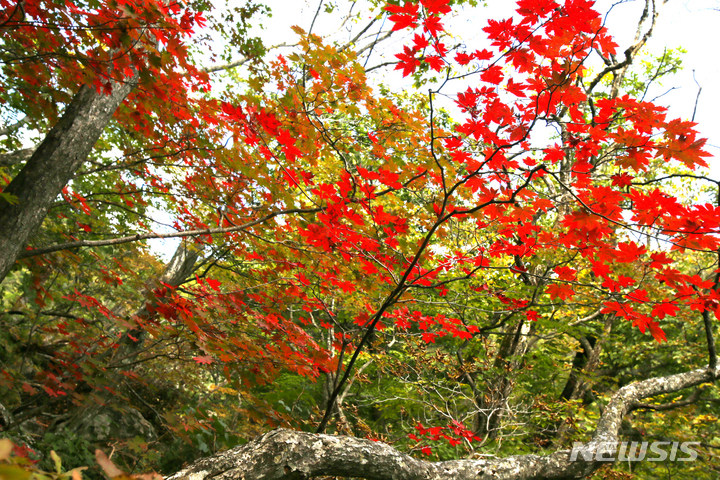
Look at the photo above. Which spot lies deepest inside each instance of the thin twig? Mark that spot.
(315, 17)
(238, 63)
(696, 98)
(15, 126)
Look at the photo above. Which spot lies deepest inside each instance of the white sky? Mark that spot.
(693, 25)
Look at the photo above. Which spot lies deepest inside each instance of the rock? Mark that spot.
(100, 424)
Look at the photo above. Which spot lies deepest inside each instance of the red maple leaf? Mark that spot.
(403, 17)
(665, 308)
(463, 58)
(622, 179)
(214, 284)
(492, 74)
(565, 273)
(207, 359)
(408, 63)
(563, 292)
(516, 89)
(483, 55)
(435, 62)
(436, 6)
(433, 26)
(420, 42)
(657, 332)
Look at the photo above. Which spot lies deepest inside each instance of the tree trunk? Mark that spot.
(53, 164)
(492, 400)
(579, 382)
(583, 358)
(179, 269)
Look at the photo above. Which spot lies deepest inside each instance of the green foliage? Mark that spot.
(75, 451)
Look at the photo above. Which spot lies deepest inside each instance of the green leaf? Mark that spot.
(10, 198)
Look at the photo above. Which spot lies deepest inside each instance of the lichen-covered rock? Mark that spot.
(100, 424)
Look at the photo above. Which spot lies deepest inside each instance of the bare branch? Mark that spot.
(147, 236)
(357, 37)
(18, 156)
(384, 64)
(630, 52)
(696, 98)
(238, 63)
(14, 127)
(317, 13)
(374, 42)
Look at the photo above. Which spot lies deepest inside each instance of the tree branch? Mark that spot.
(14, 127)
(54, 163)
(697, 97)
(18, 156)
(639, 42)
(147, 236)
(290, 455)
(238, 63)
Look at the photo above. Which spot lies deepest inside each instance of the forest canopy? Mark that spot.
(396, 252)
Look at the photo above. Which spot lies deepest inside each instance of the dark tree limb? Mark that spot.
(579, 361)
(291, 455)
(619, 69)
(146, 236)
(712, 354)
(238, 63)
(697, 97)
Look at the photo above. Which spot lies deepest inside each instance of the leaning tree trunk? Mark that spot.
(178, 270)
(580, 381)
(53, 164)
(290, 455)
(585, 363)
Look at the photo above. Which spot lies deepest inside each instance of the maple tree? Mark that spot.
(331, 233)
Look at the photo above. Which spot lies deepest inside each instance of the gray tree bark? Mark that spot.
(53, 164)
(492, 397)
(291, 455)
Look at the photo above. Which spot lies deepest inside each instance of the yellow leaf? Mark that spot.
(6, 446)
(57, 461)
